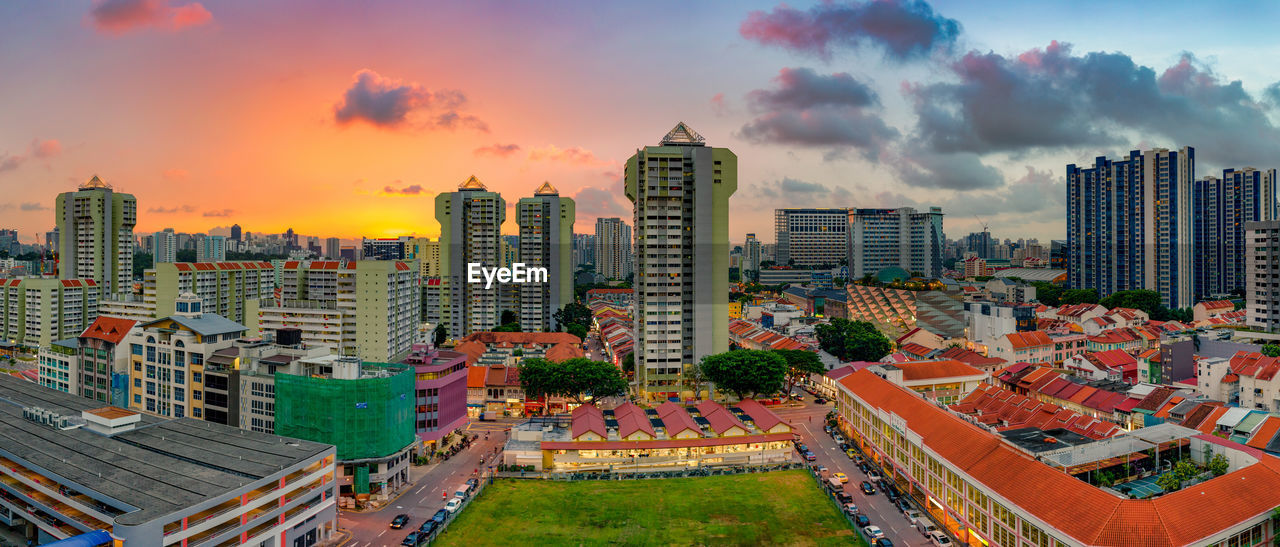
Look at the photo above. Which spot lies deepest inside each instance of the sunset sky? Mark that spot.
(346, 118)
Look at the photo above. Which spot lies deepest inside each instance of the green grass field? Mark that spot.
(776, 508)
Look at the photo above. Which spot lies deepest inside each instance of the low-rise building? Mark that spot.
(945, 381)
(102, 361)
(71, 465)
(1211, 308)
(670, 437)
(1116, 365)
(440, 392)
(56, 365)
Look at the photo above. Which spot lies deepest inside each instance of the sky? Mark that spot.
(346, 119)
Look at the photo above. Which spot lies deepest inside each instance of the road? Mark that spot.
(808, 421)
(422, 500)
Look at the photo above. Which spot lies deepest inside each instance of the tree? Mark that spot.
(1079, 296)
(629, 363)
(578, 330)
(1142, 299)
(508, 327)
(585, 380)
(439, 335)
(853, 340)
(1218, 465)
(693, 379)
(572, 313)
(1169, 482)
(1271, 350)
(509, 316)
(800, 364)
(745, 372)
(538, 377)
(1048, 293)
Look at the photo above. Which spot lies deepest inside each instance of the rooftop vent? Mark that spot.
(51, 419)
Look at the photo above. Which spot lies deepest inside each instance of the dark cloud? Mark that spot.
(905, 29)
(1052, 98)
(1272, 94)
(171, 210)
(121, 16)
(497, 150)
(801, 88)
(410, 190)
(10, 162)
(601, 202)
(32, 206)
(813, 110)
(222, 213)
(389, 103)
(918, 166)
(789, 192)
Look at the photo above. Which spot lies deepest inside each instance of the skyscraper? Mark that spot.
(680, 191)
(750, 256)
(811, 237)
(903, 238)
(470, 233)
(980, 243)
(613, 248)
(1222, 207)
(333, 248)
(1129, 224)
(211, 248)
(546, 241)
(95, 227)
(235, 233)
(164, 247)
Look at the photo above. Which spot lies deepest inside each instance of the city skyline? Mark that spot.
(355, 136)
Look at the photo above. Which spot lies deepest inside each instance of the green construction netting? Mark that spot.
(364, 418)
(361, 482)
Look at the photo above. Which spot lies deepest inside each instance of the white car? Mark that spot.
(453, 505)
(875, 477)
(939, 540)
(850, 509)
(873, 532)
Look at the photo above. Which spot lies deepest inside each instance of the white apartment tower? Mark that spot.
(546, 241)
(811, 237)
(613, 248)
(470, 233)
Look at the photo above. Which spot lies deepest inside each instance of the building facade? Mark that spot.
(613, 256)
(546, 241)
(164, 247)
(1222, 206)
(211, 248)
(230, 289)
(1130, 225)
(750, 257)
(35, 311)
(95, 227)
(440, 392)
(680, 190)
(902, 238)
(811, 237)
(470, 233)
(1262, 264)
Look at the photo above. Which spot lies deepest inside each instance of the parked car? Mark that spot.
(399, 522)
(839, 439)
(844, 497)
(428, 527)
(859, 459)
(822, 469)
(881, 542)
(841, 477)
(873, 531)
(845, 446)
(926, 527)
(867, 488)
(850, 452)
(862, 466)
(411, 539)
(913, 517)
(453, 505)
(904, 505)
(808, 456)
(802, 448)
(862, 520)
(875, 477)
(850, 509)
(820, 401)
(440, 516)
(938, 539)
(472, 484)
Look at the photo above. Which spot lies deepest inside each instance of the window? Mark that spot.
(195, 412)
(136, 349)
(151, 354)
(179, 394)
(151, 388)
(137, 399)
(177, 411)
(196, 395)
(137, 382)
(196, 377)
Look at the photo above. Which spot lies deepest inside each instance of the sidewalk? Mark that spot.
(416, 473)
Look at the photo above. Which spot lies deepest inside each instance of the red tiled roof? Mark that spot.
(1021, 340)
(721, 419)
(1254, 364)
(762, 417)
(476, 376)
(632, 419)
(1154, 399)
(1071, 506)
(110, 329)
(1211, 421)
(971, 357)
(588, 418)
(664, 443)
(933, 370)
(907, 335)
(676, 419)
(1217, 304)
(915, 349)
(1265, 432)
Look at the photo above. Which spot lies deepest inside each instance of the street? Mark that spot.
(423, 499)
(808, 421)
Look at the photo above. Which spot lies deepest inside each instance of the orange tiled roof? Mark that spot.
(1265, 432)
(1021, 340)
(110, 329)
(1217, 304)
(932, 370)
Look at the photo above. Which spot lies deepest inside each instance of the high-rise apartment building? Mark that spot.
(35, 311)
(811, 237)
(368, 308)
(211, 248)
(613, 248)
(1262, 279)
(680, 190)
(546, 241)
(426, 252)
(980, 244)
(390, 248)
(1222, 207)
(95, 226)
(584, 250)
(470, 233)
(903, 238)
(333, 248)
(750, 256)
(1129, 224)
(164, 247)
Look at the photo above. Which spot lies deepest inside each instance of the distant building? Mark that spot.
(895, 238)
(980, 244)
(164, 247)
(811, 237)
(546, 241)
(36, 311)
(471, 221)
(95, 226)
(384, 248)
(235, 233)
(333, 248)
(211, 248)
(1222, 207)
(613, 254)
(750, 256)
(1262, 260)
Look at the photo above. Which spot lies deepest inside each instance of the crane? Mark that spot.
(982, 223)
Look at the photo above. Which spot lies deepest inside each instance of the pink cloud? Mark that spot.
(575, 155)
(122, 16)
(497, 150)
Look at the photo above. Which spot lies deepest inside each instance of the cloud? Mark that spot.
(222, 213)
(1052, 98)
(904, 29)
(790, 192)
(32, 206)
(171, 210)
(176, 174)
(122, 16)
(389, 103)
(813, 110)
(573, 156)
(410, 190)
(916, 165)
(719, 105)
(497, 150)
(1272, 94)
(601, 202)
(40, 149)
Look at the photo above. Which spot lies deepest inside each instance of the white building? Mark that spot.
(95, 235)
(750, 255)
(903, 238)
(613, 248)
(811, 237)
(470, 233)
(546, 241)
(211, 248)
(1262, 265)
